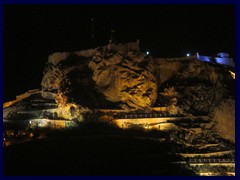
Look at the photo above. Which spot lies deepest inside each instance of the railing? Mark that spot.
(144, 115)
(193, 161)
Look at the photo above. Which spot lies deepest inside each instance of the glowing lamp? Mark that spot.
(147, 52)
(187, 54)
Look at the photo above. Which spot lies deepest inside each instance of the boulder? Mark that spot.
(127, 79)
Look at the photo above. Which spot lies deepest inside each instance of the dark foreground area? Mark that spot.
(93, 151)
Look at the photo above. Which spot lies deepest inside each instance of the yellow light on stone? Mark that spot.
(232, 74)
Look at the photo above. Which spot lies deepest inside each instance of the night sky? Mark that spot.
(32, 32)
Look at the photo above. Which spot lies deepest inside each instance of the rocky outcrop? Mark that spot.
(72, 78)
(198, 86)
(123, 77)
(104, 77)
(127, 79)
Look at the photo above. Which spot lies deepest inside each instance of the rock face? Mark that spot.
(127, 79)
(72, 78)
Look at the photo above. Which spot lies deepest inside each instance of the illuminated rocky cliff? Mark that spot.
(122, 77)
(127, 79)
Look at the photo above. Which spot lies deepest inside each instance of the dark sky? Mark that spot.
(32, 32)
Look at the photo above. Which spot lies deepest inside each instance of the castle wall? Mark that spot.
(225, 61)
(122, 48)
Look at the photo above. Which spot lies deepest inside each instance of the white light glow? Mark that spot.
(187, 54)
(147, 52)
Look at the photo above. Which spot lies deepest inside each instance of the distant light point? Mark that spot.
(187, 54)
(147, 52)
